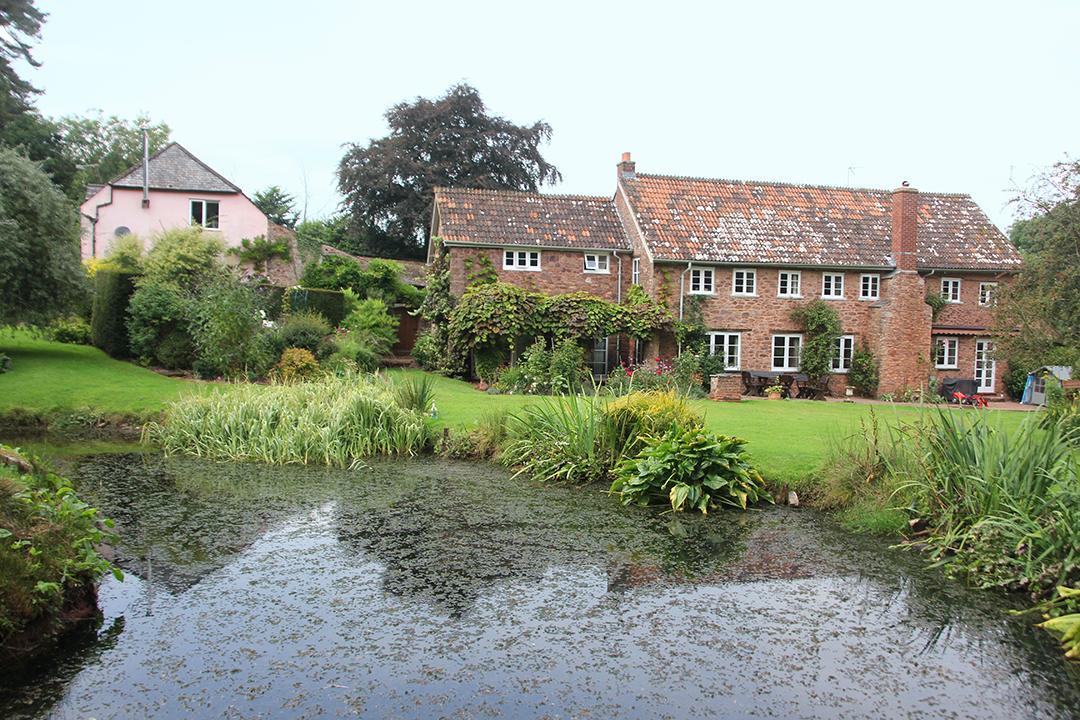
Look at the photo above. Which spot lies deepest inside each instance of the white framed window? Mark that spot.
(521, 260)
(635, 271)
(987, 290)
(701, 281)
(950, 289)
(869, 286)
(727, 346)
(743, 282)
(595, 263)
(206, 213)
(786, 350)
(945, 349)
(832, 285)
(844, 349)
(789, 284)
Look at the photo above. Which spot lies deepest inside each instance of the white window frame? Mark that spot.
(795, 275)
(722, 340)
(601, 266)
(522, 260)
(635, 271)
(204, 203)
(832, 286)
(986, 299)
(876, 280)
(841, 360)
(749, 277)
(941, 360)
(949, 295)
(698, 275)
(787, 338)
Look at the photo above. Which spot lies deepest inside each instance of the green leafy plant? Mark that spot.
(416, 393)
(227, 330)
(690, 469)
(864, 374)
(158, 315)
(631, 419)
(328, 303)
(373, 325)
(302, 329)
(774, 389)
(480, 271)
(1063, 624)
(559, 440)
(73, 330)
(937, 303)
(108, 324)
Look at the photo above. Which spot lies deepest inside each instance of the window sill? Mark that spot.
(946, 367)
(790, 297)
(735, 294)
(869, 299)
(597, 272)
(830, 297)
(701, 292)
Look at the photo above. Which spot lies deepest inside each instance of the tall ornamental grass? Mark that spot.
(336, 421)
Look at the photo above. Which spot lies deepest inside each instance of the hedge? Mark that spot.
(328, 303)
(108, 327)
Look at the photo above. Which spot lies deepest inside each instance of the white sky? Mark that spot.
(953, 96)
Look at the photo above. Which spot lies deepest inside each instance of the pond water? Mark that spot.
(432, 589)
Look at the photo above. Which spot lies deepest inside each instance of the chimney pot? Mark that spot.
(627, 167)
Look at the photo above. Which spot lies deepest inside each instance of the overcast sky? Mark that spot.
(952, 96)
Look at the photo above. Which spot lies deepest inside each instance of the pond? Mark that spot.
(434, 589)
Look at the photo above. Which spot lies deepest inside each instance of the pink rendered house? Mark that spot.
(171, 188)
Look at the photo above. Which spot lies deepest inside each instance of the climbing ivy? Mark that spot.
(937, 303)
(690, 332)
(484, 274)
(822, 325)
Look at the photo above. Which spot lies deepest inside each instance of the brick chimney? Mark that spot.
(905, 210)
(627, 167)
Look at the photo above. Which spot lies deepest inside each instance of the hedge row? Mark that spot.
(108, 329)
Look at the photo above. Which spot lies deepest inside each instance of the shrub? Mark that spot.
(359, 352)
(227, 330)
(260, 252)
(426, 351)
(822, 325)
(371, 324)
(483, 441)
(340, 363)
(690, 468)
(1014, 380)
(72, 330)
(863, 375)
(49, 550)
(126, 254)
(302, 329)
(567, 372)
(336, 421)
(113, 289)
(297, 364)
(159, 311)
(175, 351)
(182, 257)
(328, 303)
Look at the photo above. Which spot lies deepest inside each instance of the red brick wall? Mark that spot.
(561, 271)
(903, 343)
(968, 313)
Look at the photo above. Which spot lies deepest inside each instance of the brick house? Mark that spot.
(752, 251)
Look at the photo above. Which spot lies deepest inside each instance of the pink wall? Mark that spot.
(168, 209)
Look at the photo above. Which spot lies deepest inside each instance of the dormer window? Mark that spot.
(596, 263)
(205, 213)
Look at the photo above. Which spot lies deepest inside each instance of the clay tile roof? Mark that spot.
(732, 221)
(174, 168)
(507, 217)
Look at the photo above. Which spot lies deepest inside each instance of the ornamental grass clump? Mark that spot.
(560, 440)
(336, 421)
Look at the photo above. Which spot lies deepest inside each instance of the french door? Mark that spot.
(984, 365)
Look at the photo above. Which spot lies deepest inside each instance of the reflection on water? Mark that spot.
(428, 588)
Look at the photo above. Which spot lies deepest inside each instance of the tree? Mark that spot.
(1036, 316)
(40, 272)
(389, 183)
(20, 26)
(277, 205)
(103, 147)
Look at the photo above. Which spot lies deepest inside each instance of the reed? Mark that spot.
(335, 421)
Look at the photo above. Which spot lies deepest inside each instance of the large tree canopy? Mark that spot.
(1038, 316)
(453, 141)
(278, 205)
(40, 272)
(103, 147)
(20, 26)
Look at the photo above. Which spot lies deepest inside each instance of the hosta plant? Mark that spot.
(690, 469)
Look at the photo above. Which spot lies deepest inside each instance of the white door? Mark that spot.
(984, 365)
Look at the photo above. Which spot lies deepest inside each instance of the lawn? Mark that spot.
(50, 377)
(788, 440)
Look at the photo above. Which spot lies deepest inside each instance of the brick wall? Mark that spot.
(561, 271)
(903, 342)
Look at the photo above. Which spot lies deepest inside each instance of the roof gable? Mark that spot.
(174, 168)
(509, 217)
(731, 221)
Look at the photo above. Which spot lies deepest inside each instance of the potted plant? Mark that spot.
(774, 390)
